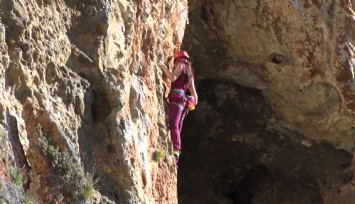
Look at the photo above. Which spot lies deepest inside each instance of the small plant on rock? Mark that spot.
(2, 134)
(88, 192)
(29, 200)
(2, 200)
(71, 173)
(16, 177)
(158, 155)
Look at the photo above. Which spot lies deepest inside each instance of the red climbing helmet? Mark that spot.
(181, 54)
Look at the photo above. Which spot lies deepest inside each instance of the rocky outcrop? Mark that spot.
(80, 90)
(275, 123)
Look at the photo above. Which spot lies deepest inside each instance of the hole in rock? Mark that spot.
(277, 58)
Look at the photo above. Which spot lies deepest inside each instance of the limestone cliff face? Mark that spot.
(300, 54)
(276, 121)
(79, 81)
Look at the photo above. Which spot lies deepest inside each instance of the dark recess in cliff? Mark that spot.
(233, 154)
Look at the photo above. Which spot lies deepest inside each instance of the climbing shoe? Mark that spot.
(177, 155)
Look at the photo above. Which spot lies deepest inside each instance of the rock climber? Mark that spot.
(182, 80)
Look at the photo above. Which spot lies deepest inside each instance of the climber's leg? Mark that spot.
(174, 122)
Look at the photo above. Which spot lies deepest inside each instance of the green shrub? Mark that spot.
(29, 200)
(2, 135)
(88, 192)
(3, 201)
(158, 155)
(71, 173)
(16, 177)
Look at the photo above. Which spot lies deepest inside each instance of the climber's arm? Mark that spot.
(172, 76)
(193, 90)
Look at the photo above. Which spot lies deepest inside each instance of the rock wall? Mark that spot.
(275, 123)
(80, 90)
(299, 53)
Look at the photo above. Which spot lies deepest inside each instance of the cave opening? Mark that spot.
(232, 154)
(242, 191)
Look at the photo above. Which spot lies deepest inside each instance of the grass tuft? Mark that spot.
(16, 177)
(2, 134)
(158, 155)
(88, 192)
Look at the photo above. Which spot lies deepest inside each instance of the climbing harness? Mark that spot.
(180, 94)
(177, 91)
(177, 94)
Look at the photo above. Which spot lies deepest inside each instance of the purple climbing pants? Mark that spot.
(176, 116)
